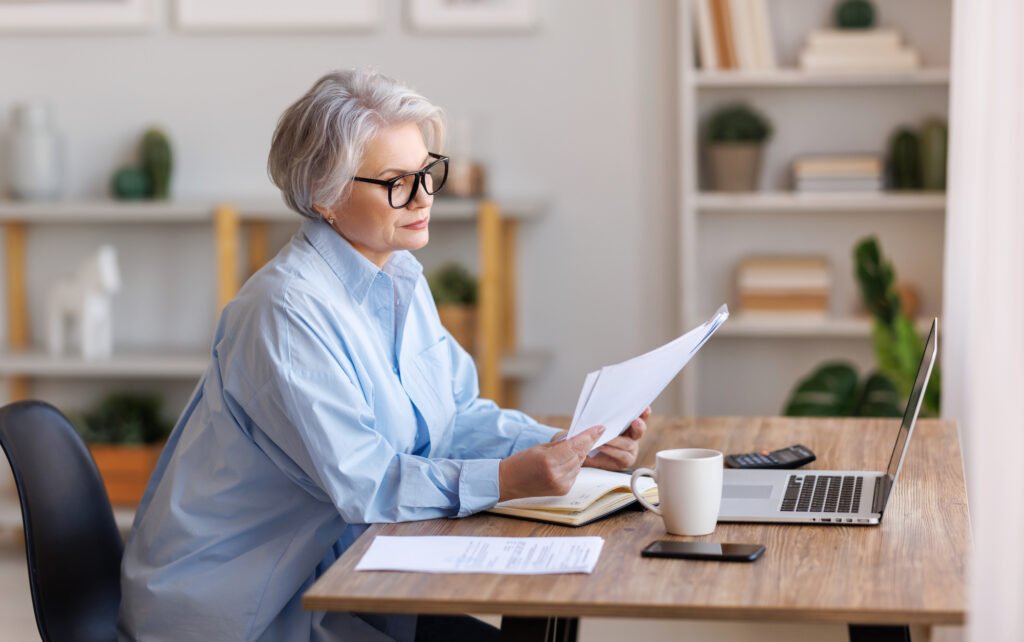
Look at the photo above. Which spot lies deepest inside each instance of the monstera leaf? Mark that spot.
(835, 390)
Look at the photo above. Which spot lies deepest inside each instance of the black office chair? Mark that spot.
(72, 543)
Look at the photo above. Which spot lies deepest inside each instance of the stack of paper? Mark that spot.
(616, 395)
(838, 173)
(779, 285)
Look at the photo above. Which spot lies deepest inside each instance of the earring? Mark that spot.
(330, 221)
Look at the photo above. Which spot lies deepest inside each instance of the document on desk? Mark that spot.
(616, 395)
(502, 555)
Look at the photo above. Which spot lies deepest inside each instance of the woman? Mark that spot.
(335, 399)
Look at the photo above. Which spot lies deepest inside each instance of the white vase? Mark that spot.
(35, 160)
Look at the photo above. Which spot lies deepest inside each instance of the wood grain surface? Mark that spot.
(908, 570)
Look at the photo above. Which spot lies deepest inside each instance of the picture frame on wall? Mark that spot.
(473, 16)
(276, 15)
(75, 16)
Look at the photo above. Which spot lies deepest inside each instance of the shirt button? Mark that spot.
(394, 369)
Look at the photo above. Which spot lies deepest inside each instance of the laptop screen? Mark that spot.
(924, 371)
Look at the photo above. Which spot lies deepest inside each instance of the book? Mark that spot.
(839, 185)
(743, 34)
(723, 34)
(904, 60)
(595, 494)
(706, 36)
(763, 36)
(838, 166)
(854, 40)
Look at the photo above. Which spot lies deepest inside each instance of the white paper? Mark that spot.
(503, 555)
(591, 485)
(616, 395)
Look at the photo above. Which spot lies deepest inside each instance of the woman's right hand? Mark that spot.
(547, 469)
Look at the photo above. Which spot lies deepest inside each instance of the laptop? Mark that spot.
(826, 497)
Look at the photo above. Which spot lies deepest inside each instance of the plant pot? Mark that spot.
(735, 167)
(460, 321)
(125, 470)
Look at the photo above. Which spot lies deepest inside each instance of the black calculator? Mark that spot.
(791, 457)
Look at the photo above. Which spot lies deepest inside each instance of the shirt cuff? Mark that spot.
(478, 486)
(533, 434)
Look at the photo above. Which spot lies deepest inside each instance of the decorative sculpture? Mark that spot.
(79, 307)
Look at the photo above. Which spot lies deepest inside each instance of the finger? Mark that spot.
(646, 414)
(603, 461)
(622, 442)
(636, 429)
(582, 443)
(621, 456)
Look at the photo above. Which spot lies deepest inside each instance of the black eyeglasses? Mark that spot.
(402, 189)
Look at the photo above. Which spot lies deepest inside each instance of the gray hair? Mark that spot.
(319, 141)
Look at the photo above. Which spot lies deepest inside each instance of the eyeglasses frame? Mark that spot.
(421, 177)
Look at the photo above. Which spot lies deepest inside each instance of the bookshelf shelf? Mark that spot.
(156, 365)
(109, 211)
(798, 78)
(750, 326)
(802, 202)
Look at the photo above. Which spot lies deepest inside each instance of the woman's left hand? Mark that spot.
(620, 452)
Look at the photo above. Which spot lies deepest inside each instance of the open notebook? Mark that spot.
(595, 493)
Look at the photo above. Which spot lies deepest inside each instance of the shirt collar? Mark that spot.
(352, 268)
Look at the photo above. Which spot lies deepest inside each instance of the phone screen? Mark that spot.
(704, 550)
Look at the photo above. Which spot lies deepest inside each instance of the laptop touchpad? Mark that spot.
(747, 491)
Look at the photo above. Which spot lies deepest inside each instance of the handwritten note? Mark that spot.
(503, 555)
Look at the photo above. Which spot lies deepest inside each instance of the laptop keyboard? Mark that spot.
(822, 494)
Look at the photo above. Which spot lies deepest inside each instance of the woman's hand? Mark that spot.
(545, 470)
(620, 452)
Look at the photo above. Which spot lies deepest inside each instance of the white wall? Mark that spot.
(580, 113)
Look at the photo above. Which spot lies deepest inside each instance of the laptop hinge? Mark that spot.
(882, 486)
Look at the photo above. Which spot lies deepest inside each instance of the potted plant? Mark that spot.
(736, 137)
(454, 289)
(125, 433)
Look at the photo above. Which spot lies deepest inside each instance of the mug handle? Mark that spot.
(644, 472)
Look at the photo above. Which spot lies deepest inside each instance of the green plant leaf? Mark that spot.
(830, 391)
(453, 283)
(738, 123)
(879, 398)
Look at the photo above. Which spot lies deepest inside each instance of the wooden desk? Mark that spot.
(910, 570)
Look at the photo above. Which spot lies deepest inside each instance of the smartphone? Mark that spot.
(703, 551)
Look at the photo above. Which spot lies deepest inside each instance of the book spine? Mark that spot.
(765, 37)
(723, 33)
(847, 40)
(706, 35)
(739, 11)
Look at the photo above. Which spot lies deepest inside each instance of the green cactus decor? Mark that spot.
(157, 161)
(738, 123)
(855, 14)
(905, 159)
(130, 184)
(934, 135)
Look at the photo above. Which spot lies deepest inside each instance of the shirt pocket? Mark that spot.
(436, 401)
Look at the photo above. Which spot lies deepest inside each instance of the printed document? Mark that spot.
(616, 395)
(503, 555)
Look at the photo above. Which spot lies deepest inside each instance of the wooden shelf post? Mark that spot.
(226, 227)
(489, 323)
(17, 303)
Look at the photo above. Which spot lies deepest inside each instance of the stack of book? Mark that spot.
(734, 34)
(840, 173)
(857, 51)
(792, 286)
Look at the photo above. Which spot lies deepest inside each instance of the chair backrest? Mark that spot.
(72, 543)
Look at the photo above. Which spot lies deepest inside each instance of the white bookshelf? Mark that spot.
(753, 362)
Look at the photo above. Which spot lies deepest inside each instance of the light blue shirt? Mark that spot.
(335, 399)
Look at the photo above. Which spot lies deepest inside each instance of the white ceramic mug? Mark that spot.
(689, 489)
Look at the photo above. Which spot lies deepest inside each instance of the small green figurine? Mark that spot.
(130, 184)
(855, 14)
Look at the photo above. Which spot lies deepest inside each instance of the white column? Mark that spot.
(983, 346)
